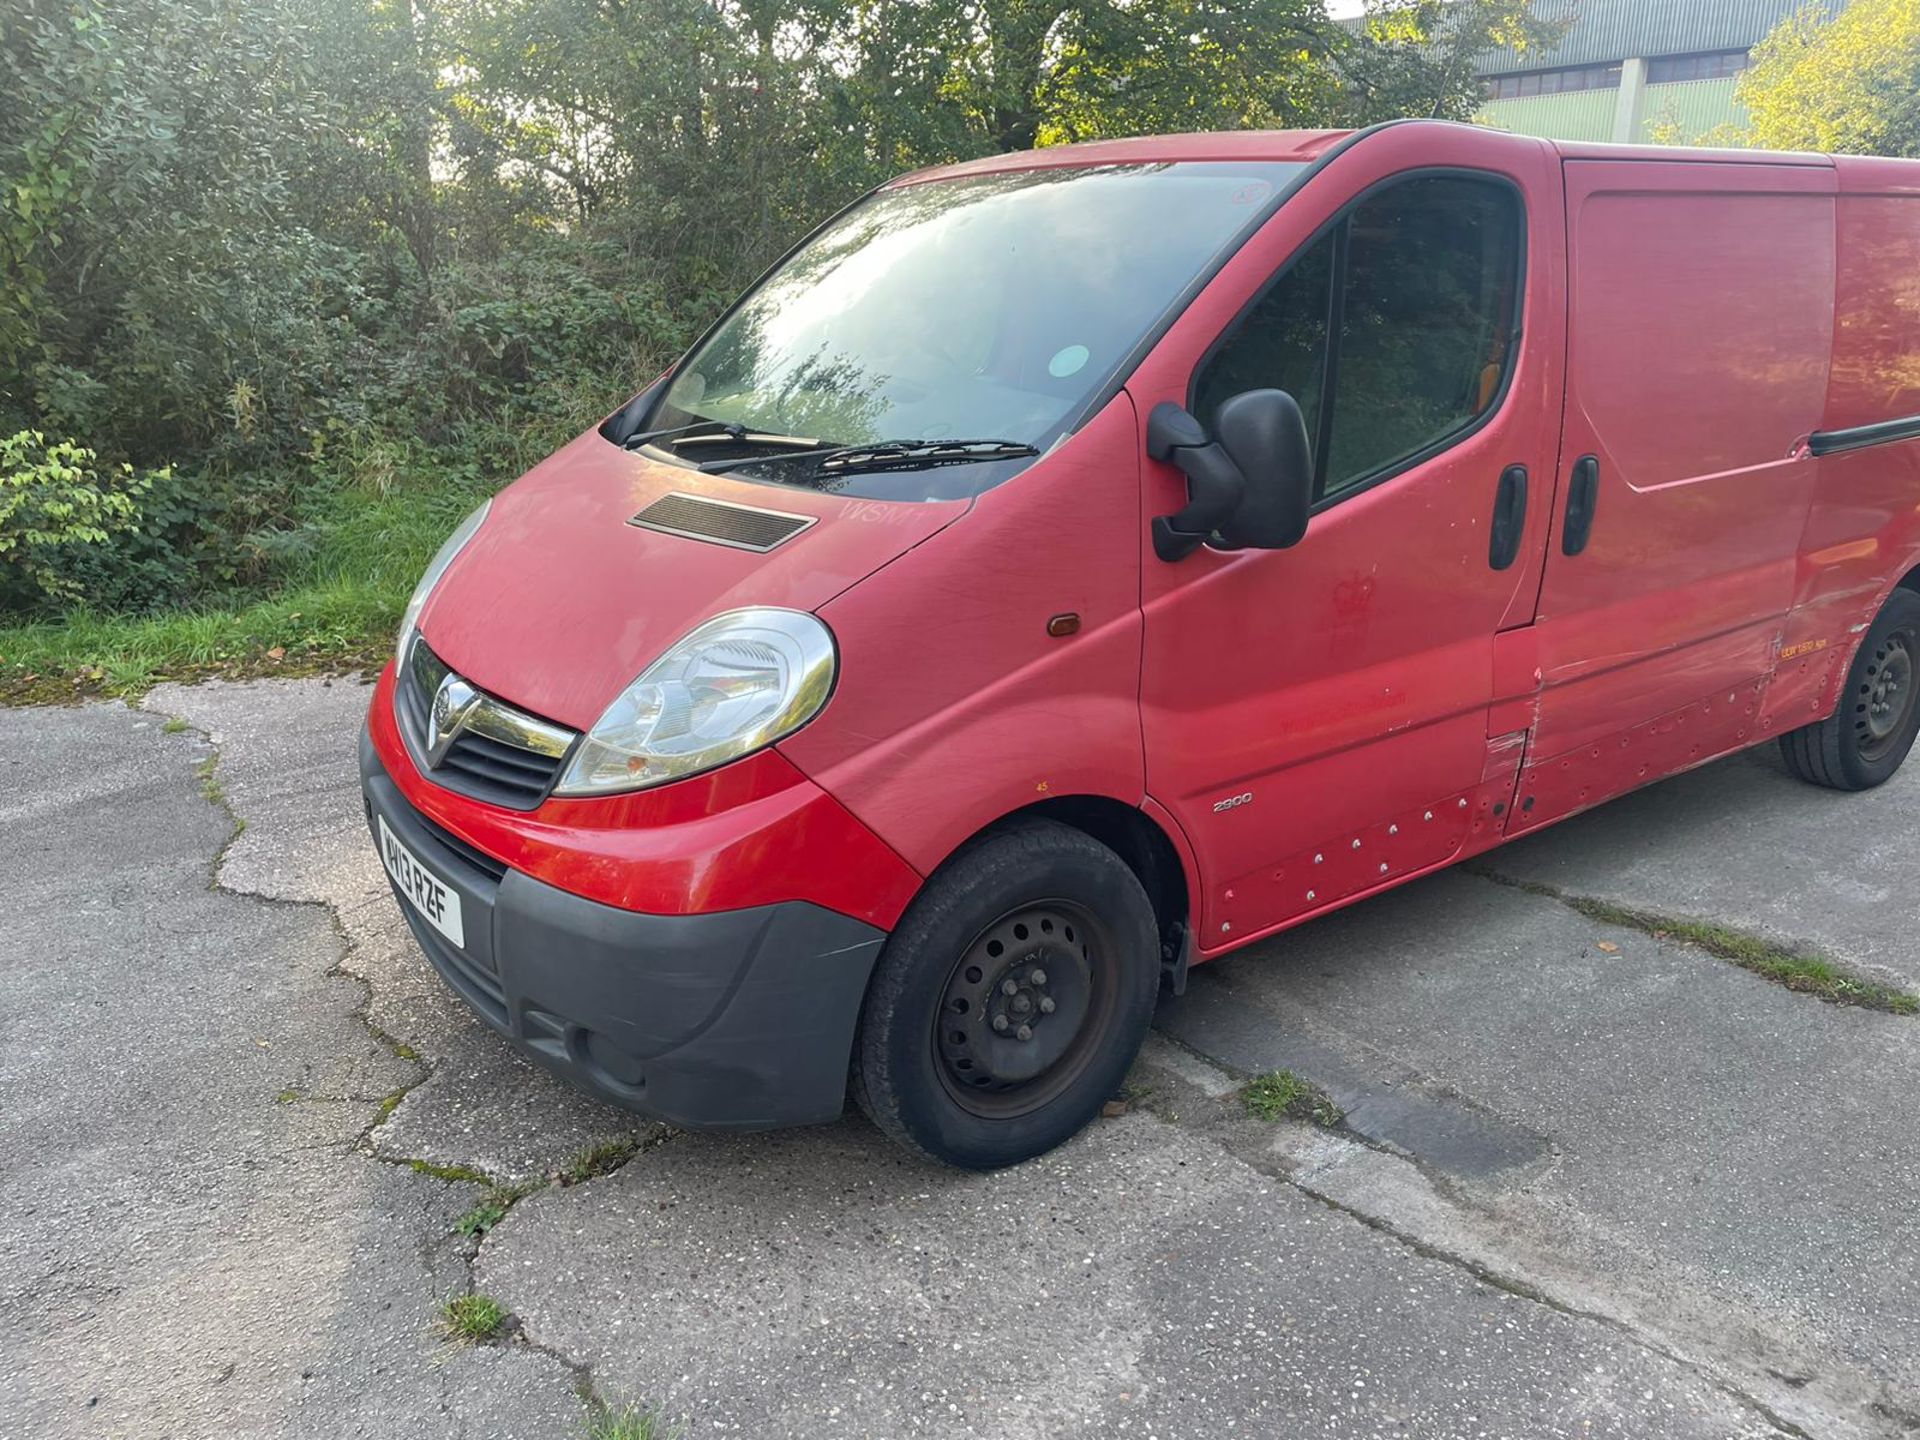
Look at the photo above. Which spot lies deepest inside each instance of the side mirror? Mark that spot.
(1251, 484)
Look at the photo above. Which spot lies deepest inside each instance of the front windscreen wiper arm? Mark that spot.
(892, 455)
(718, 428)
(720, 432)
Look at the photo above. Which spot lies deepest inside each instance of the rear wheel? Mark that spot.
(1010, 1001)
(1870, 732)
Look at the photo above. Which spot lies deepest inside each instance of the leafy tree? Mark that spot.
(1849, 82)
(311, 252)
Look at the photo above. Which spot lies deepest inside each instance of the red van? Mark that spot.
(1065, 568)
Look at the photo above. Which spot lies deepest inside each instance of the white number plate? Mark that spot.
(425, 891)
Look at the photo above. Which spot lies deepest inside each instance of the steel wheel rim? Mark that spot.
(1885, 699)
(1049, 967)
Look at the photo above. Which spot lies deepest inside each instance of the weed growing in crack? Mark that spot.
(630, 1422)
(598, 1160)
(1281, 1093)
(470, 1319)
(173, 726)
(452, 1173)
(493, 1208)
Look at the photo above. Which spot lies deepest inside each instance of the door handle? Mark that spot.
(1509, 517)
(1582, 496)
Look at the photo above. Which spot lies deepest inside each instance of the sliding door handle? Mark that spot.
(1509, 517)
(1582, 496)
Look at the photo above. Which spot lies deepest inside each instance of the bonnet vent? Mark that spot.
(720, 522)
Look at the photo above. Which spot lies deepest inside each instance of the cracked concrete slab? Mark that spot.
(1180, 1272)
(182, 1253)
(287, 764)
(1743, 842)
(1138, 1281)
(1737, 1160)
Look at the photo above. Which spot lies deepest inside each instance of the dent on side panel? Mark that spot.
(955, 706)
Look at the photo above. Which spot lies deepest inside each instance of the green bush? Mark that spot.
(55, 499)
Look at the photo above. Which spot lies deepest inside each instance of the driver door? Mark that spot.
(1316, 719)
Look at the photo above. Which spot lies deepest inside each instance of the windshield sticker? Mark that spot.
(1067, 362)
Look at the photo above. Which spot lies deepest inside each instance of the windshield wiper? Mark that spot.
(719, 432)
(892, 455)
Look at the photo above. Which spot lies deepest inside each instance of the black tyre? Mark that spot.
(1010, 1001)
(1870, 732)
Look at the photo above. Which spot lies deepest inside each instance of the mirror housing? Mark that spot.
(1251, 484)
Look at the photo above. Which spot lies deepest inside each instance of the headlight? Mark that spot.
(738, 683)
(435, 569)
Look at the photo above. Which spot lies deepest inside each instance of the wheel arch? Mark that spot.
(1141, 842)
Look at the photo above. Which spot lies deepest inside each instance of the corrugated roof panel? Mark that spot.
(1607, 30)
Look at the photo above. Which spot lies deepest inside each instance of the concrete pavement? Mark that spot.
(1592, 1182)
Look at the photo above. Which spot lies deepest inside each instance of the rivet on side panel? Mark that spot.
(1318, 859)
(1463, 804)
(1225, 927)
(1383, 869)
(1429, 815)
(1393, 829)
(1310, 895)
(1356, 844)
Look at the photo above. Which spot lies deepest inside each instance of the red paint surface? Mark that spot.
(1689, 319)
(559, 604)
(756, 832)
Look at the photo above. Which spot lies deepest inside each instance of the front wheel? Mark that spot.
(1870, 732)
(1010, 1001)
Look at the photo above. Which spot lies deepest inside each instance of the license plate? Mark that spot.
(431, 896)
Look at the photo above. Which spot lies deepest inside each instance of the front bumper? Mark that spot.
(735, 1019)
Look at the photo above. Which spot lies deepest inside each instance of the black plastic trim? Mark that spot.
(1861, 437)
(1337, 221)
(736, 1019)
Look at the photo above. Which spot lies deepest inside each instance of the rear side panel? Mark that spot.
(1700, 327)
(1863, 528)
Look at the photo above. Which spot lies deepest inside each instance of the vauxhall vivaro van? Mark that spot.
(1064, 568)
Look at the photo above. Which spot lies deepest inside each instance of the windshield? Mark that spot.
(991, 307)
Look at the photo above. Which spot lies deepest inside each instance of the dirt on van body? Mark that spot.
(1585, 1178)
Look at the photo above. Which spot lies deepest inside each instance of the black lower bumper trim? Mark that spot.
(741, 1019)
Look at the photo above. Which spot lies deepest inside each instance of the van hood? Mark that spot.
(558, 602)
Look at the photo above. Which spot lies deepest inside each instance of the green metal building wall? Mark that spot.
(1678, 113)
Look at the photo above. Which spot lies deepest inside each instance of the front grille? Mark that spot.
(497, 754)
(460, 850)
(723, 522)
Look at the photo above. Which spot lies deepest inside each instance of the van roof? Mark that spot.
(1309, 145)
(1303, 145)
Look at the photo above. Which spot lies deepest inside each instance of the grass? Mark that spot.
(1282, 1094)
(630, 1422)
(335, 612)
(340, 626)
(471, 1319)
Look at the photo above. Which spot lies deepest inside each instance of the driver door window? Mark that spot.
(1395, 330)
